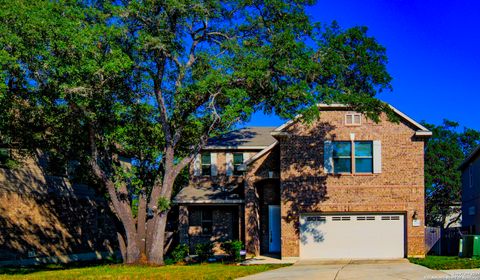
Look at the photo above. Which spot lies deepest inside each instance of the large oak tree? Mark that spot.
(95, 81)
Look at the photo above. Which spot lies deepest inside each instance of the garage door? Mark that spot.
(376, 236)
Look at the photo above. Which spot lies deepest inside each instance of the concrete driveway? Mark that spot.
(371, 270)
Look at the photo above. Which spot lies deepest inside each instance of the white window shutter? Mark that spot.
(328, 157)
(377, 156)
(213, 162)
(197, 165)
(229, 161)
(246, 156)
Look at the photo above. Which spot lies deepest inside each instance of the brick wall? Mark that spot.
(224, 225)
(46, 216)
(306, 188)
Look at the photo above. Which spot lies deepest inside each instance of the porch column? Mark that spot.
(252, 222)
(183, 224)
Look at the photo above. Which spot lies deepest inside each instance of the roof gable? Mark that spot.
(421, 130)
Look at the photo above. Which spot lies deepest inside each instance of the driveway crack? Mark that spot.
(341, 268)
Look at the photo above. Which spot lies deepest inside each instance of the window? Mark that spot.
(472, 210)
(342, 157)
(206, 164)
(362, 154)
(353, 119)
(237, 162)
(207, 224)
(363, 157)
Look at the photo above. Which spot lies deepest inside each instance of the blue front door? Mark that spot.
(274, 228)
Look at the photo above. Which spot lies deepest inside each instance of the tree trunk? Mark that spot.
(122, 245)
(141, 219)
(133, 251)
(156, 249)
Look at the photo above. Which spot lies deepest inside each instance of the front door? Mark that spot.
(274, 228)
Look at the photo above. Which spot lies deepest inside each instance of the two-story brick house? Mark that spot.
(342, 187)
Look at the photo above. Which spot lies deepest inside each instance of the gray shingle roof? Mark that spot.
(209, 194)
(249, 137)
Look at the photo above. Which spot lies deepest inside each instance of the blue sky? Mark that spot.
(433, 49)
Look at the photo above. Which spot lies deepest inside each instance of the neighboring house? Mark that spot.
(341, 187)
(471, 192)
(46, 218)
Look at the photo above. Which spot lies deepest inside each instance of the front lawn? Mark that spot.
(173, 272)
(446, 262)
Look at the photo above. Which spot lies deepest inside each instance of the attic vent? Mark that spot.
(353, 119)
(385, 218)
(395, 218)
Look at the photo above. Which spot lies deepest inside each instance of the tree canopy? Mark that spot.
(445, 151)
(98, 81)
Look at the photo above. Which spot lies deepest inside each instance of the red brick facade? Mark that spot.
(292, 174)
(306, 188)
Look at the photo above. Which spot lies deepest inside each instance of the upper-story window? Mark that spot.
(353, 119)
(206, 164)
(358, 159)
(237, 162)
(342, 157)
(363, 157)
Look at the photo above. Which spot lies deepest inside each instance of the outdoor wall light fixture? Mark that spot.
(415, 215)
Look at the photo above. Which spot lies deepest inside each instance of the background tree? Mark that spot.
(445, 151)
(153, 80)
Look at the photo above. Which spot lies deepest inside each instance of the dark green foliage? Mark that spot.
(445, 151)
(204, 251)
(233, 248)
(95, 82)
(180, 253)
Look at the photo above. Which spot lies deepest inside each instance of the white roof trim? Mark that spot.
(213, 147)
(422, 131)
(260, 154)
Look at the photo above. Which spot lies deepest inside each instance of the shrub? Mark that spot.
(204, 251)
(180, 253)
(233, 248)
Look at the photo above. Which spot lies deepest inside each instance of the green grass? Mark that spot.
(173, 272)
(446, 262)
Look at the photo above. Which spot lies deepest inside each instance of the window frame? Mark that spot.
(204, 221)
(353, 115)
(206, 166)
(342, 157)
(235, 171)
(353, 157)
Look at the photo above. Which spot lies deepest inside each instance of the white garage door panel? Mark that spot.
(352, 236)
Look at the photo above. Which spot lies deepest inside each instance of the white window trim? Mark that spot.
(376, 157)
(353, 114)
